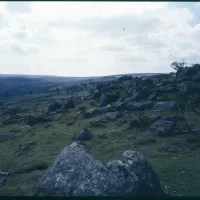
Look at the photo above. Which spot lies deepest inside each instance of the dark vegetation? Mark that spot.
(157, 115)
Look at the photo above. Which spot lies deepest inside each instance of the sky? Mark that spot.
(97, 38)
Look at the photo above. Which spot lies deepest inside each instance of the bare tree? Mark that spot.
(178, 65)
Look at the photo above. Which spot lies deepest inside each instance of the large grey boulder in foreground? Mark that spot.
(75, 172)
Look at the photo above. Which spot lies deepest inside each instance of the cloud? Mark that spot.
(33, 48)
(23, 7)
(132, 59)
(69, 59)
(113, 48)
(21, 34)
(12, 46)
(97, 38)
(8, 46)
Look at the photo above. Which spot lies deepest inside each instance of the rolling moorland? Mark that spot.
(157, 115)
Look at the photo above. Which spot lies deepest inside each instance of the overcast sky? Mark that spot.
(97, 38)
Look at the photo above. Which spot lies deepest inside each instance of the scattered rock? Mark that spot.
(124, 118)
(68, 104)
(132, 106)
(93, 103)
(51, 113)
(80, 113)
(103, 100)
(188, 72)
(26, 146)
(90, 113)
(129, 99)
(182, 87)
(3, 178)
(75, 172)
(4, 173)
(136, 122)
(152, 97)
(96, 123)
(71, 123)
(183, 172)
(35, 119)
(165, 89)
(83, 135)
(162, 127)
(112, 97)
(146, 105)
(140, 121)
(108, 108)
(167, 147)
(119, 105)
(96, 94)
(125, 78)
(138, 96)
(131, 91)
(164, 106)
(111, 115)
(54, 106)
(197, 77)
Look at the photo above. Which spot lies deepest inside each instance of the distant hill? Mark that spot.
(14, 84)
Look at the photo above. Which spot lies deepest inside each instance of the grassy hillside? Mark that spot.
(178, 171)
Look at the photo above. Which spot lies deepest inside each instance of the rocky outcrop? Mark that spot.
(90, 113)
(54, 106)
(197, 77)
(26, 146)
(146, 105)
(142, 120)
(119, 105)
(138, 96)
(132, 106)
(83, 135)
(165, 126)
(168, 148)
(152, 97)
(164, 89)
(164, 106)
(182, 87)
(111, 115)
(108, 108)
(35, 119)
(68, 104)
(188, 72)
(125, 78)
(3, 178)
(103, 100)
(75, 172)
(162, 127)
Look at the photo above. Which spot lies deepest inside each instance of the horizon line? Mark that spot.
(81, 76)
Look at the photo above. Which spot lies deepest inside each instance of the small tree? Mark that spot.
(178, 65)
(181, 103)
